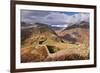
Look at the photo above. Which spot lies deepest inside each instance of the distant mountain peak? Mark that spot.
(82, 24)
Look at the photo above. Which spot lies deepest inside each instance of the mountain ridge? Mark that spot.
(38, 39)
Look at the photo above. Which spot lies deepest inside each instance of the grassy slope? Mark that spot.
(33, 51)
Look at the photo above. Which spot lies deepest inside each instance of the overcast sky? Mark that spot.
(53, 18)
